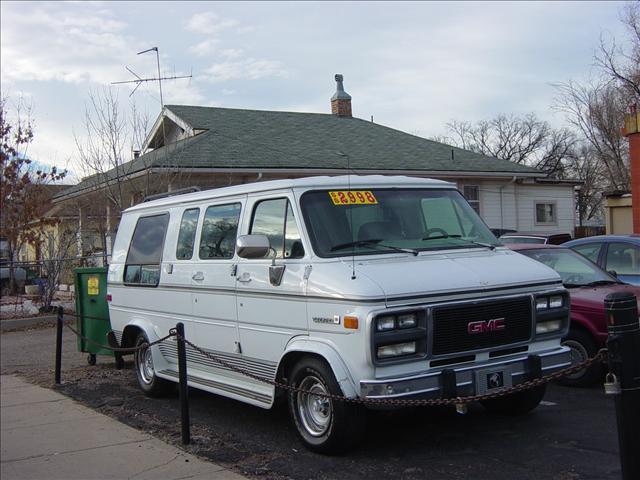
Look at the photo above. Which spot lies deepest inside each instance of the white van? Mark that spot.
(365, 286)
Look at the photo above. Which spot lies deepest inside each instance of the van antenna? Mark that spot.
(353, 253)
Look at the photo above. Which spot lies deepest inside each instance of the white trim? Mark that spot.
(166, 113)
(545, 202)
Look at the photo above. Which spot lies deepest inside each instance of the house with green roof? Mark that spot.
(211, 147)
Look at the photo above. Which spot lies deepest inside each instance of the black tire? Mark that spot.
(329, 427)
(516, 404)
(582, 347)
(91, 359)
(150, 384)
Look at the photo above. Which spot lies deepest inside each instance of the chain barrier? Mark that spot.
(457, 401)
(125, 350)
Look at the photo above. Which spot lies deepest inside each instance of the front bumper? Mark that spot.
(468, 380)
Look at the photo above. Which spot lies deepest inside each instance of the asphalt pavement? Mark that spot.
(570, 436)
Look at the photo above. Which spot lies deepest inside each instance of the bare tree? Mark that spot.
(57, 254)
(106, 151)
(584, 165)
(596, 111)
(621, 64)
(109, 138)
(524, 140)
(24, 199)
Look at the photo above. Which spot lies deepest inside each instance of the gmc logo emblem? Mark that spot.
(482, 326)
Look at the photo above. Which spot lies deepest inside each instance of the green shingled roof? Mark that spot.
(235, 138)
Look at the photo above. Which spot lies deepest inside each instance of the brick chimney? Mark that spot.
(341, 100)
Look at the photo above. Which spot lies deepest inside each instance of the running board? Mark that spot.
(223, 388)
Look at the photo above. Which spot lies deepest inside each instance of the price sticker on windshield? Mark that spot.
(353, 197)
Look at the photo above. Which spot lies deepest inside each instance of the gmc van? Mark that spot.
(370, 287)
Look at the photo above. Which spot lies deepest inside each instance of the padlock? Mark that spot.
(461, 408)
(611, 385)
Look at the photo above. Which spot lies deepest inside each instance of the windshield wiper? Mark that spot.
(601, 282)
(459, 237)
(372, 242)
(592, 284)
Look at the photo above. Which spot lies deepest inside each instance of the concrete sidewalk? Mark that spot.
(45, 435)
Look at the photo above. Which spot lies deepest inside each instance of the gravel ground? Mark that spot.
(571, 436)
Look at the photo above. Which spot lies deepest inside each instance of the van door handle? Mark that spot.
(198, 276)
(244, 278)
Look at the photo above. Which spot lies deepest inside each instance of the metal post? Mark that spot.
(59, 325)
(183, 387)
(623, 346)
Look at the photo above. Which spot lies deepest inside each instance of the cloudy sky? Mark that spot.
(413, 66)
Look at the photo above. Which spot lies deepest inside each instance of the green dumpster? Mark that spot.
(92, 319)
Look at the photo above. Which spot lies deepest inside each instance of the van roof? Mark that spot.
(341, 181)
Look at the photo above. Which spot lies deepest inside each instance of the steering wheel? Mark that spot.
(436, 230)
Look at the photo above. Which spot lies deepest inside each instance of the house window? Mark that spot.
(546, 213)
(145, 253)
(472, 194)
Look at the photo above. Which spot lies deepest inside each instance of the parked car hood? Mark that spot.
(409, 279)
(592, 298)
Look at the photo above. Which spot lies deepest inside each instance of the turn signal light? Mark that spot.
(351, 322)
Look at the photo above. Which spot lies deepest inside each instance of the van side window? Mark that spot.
(145, 252)
(275, 219)
(187, 234)
(219, 230)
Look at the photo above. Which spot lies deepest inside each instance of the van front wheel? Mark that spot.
(324, 425)
(149, 382)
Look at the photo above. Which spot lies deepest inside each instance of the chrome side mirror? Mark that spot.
(252, 246)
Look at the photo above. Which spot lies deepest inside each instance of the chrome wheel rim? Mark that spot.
(145, 366)
(315, 412)
(578, 354)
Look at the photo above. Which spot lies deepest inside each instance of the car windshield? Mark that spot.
(377, 221)
(575, 270)
(507, 239)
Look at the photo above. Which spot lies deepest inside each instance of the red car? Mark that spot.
(588, 286)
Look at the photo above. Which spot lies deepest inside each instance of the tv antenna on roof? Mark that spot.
(139, 81)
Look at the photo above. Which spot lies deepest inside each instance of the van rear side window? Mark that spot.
(187, 235)
(145, 252)
(219, 229)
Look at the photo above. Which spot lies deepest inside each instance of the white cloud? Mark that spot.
(209, 23)
(73, 45)
(204, 48)
(248, 69)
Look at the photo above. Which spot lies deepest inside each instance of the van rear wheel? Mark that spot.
(324, 425)
(149, 382)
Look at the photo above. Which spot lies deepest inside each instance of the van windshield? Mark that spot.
(369, 222)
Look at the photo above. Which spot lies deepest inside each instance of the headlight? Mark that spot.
(556, 301)
(407, 320)
(548, 326)
(397, 350)
(385, 323)
(542, 303)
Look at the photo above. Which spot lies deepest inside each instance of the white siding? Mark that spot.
(508, 205)
(561, 195)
